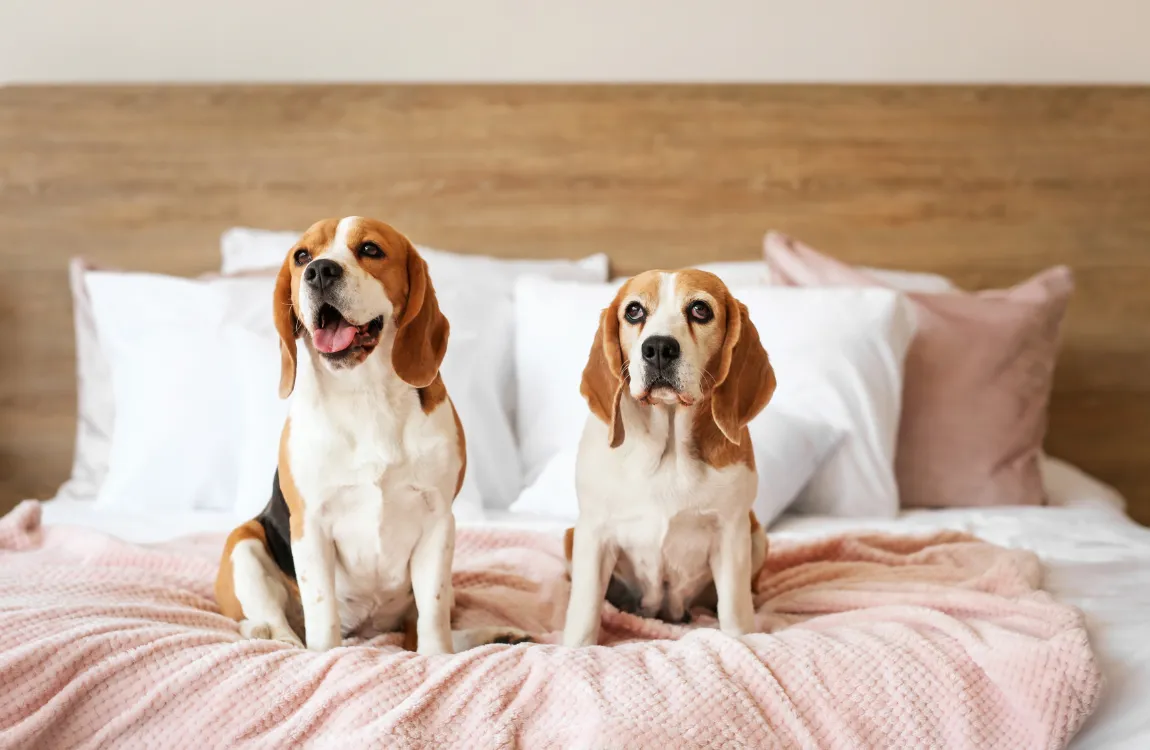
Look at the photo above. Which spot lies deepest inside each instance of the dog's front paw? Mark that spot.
(266, 632)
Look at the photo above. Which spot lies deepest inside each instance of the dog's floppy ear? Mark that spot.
(422, 331)
(603, 380)
(745, 380)
(287, 326)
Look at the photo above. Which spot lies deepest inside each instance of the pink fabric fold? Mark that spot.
(873, 641)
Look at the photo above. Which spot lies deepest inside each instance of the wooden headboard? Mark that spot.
(986, 185)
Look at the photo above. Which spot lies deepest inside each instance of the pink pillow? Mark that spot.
(976, 386)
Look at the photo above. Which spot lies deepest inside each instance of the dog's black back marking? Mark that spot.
(276, 520)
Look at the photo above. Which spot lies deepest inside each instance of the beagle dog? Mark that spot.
(358, 535)
(665, 473)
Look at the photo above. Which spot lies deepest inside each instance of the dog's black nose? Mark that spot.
(320, 273)
(660, 351)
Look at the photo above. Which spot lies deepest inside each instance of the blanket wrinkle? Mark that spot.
(867, 640)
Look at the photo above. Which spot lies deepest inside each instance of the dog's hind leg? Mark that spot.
(251, 589)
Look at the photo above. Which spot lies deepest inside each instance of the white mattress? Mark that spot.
(1095, 558)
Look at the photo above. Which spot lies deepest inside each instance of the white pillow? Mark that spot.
(788, 451)
(94, 408)
(555, 323)
(479, 377)
(262, 413)
(243, 250)
(475, 293)
(838, 355)
(178, 397)
(837, 352)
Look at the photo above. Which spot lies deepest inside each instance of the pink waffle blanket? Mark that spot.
(869, 641)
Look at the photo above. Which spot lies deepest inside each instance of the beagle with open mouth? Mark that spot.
(665, 474)
(358, 535)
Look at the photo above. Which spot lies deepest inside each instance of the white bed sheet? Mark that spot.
(1095, 558)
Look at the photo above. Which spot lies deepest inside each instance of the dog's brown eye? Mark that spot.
(370, 250)
(634, 313)
(700, 312)
(302, 256)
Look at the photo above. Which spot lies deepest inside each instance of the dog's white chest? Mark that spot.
(374, 470)
(660, 508)
(666, 537)
(374, 537)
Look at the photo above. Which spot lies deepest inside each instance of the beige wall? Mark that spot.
(580, 40)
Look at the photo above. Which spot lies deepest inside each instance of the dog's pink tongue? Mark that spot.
(334, 337)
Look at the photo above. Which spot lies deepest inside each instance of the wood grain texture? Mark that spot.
(985, 184)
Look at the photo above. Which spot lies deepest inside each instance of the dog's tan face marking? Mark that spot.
(348, 276)
(671, 331)
(678, 338)
(343, 283)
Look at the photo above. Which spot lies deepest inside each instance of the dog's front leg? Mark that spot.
(591, 567)
(731, 567)
(431, 583)
(314, 554)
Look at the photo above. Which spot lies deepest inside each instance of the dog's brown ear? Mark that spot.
(287, 326)
(745, 380)
(422, 331)
(603, 379)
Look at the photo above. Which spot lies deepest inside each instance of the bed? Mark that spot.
(1093, 557)
(982, 185)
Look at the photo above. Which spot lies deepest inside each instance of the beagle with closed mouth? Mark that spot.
(358, 535)
(665, 474)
